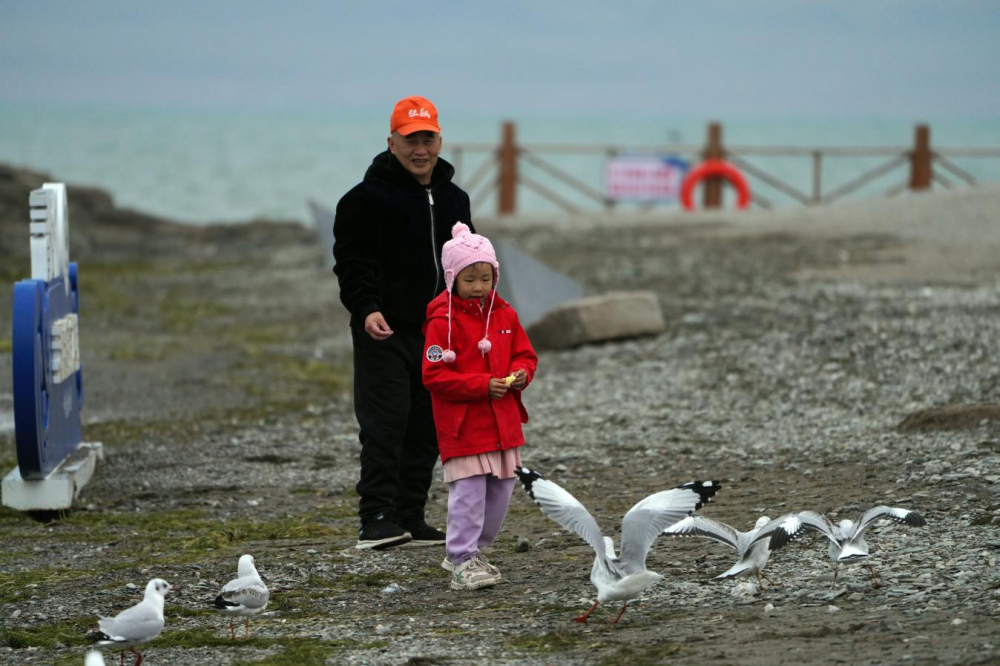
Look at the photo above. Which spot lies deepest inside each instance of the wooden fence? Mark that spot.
(501, 171)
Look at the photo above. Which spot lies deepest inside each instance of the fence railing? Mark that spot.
(921, 167)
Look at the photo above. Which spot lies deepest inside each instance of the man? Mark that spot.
(388, 233)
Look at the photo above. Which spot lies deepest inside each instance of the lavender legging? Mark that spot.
(477, 506)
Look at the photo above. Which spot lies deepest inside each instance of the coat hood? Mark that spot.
(386, 167)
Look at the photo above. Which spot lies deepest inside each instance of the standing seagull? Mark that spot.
(751, 547)
(618, 578)
(138, 624)
(245, 596)
(847, 541)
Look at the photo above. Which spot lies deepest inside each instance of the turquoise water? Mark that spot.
(203, 167)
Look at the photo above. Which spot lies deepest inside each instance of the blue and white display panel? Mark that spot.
(48, 383)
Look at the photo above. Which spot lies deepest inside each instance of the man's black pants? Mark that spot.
(398, 441)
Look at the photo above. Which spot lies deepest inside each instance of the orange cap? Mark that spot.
(414, 114)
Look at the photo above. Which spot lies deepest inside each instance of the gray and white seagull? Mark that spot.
(847, 541)
(618, 577)
(136, 625)
(243, 596)
(752, 547)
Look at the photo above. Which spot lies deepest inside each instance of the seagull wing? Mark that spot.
(646, 520)
(791, 526)
(904, 516)
(141, 622)
(767, 531)
(557, 504)
(705, 527)
(249, 592)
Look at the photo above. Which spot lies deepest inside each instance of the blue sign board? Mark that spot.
(48, 383)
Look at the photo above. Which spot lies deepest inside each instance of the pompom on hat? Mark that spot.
(464, 249)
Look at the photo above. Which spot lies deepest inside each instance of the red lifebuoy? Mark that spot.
(715, 169)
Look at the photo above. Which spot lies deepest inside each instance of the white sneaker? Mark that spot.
(448, 566)
(472, 575)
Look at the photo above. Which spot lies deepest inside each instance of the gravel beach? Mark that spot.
(831, 359)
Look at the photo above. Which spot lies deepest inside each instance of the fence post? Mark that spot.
(713, 151)
(920, 159)
(507, 198)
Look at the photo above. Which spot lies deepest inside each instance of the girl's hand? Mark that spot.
(498, 388)
(520, 379)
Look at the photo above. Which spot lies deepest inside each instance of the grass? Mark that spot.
(71, 632)
(18, 585)
(558, 641)
(642, 655)
(306, 652)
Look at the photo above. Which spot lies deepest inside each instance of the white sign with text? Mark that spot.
(644, 178)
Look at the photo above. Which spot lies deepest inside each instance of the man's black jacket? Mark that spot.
(388, 236)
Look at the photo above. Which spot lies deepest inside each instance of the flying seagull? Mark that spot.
(847, 541)
(244, 596)
(618, 577)
(139, 624)
(751, 547)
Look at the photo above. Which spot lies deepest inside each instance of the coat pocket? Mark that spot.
(459, 419)
(520, 407)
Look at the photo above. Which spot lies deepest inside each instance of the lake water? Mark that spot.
(203, 167)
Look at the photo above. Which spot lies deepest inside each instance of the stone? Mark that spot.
(593, 319)
(522, 546)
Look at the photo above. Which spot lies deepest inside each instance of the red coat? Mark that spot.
(467, 420)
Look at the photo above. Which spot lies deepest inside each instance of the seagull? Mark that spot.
(94, 658)
(847, 541)
(138, 624)
(618, 577)
(752, 546)
(244, 596)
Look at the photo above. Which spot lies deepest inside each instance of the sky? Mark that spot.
(628, 59)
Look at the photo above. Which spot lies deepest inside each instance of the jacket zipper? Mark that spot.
(437, 269)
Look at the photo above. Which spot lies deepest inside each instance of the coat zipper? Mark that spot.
(437, 269)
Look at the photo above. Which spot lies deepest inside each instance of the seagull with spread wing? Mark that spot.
(847, 541)
(752, 548)
(618, 577)
(243, 596)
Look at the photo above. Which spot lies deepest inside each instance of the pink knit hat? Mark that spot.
(464, 249)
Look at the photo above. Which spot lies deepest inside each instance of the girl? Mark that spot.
(477, 361)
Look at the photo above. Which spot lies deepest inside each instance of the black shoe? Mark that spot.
(423, 534)
(380, 533)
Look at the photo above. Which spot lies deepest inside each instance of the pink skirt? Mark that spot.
(500, 464)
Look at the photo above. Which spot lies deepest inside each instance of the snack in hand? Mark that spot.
(509, 379)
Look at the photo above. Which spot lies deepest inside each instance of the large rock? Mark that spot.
(598, 318)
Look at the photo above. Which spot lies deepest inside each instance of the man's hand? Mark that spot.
(498, 388)
(376, 327)
(520, 379)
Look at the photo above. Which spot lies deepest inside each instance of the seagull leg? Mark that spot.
(232, 630)
(121, 657)
(137, 661)
(875, 582)
(760, 581)
(773, 584)
(624, 606)
(583, 618)
(834, 575)
(246, 628)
